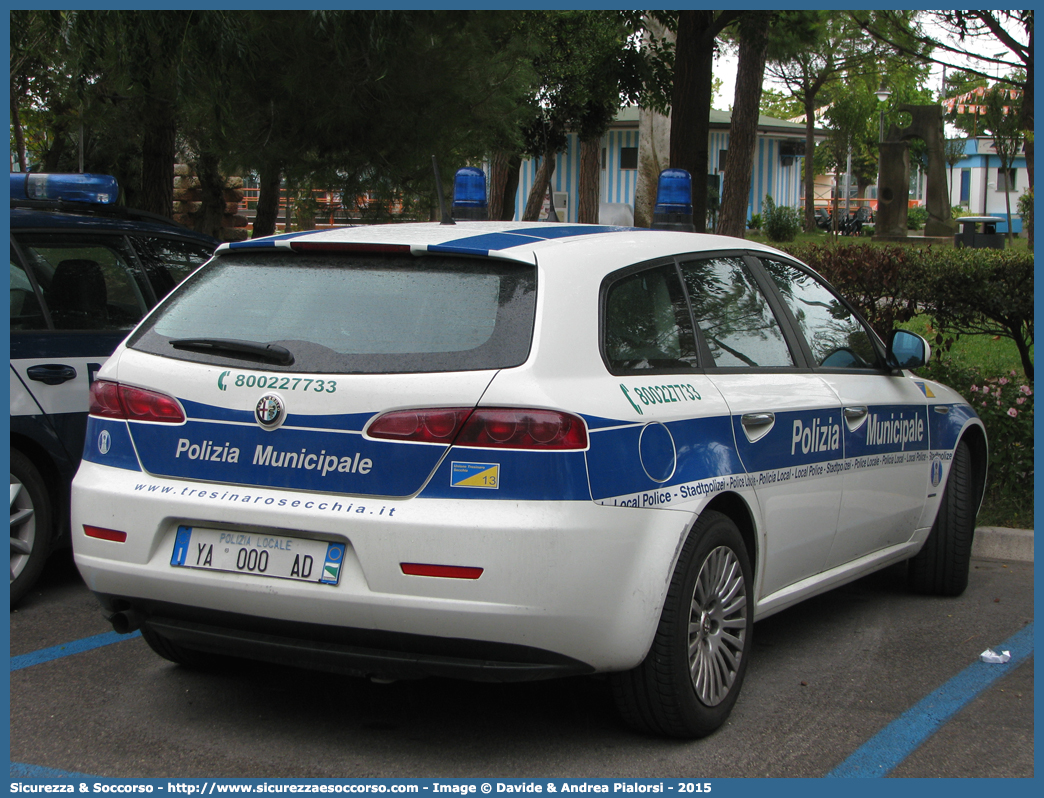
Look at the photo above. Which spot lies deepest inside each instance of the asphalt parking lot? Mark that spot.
(835, 684)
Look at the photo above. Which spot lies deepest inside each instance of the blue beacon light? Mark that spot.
(469, 194)
(89, 188)
(673, 209)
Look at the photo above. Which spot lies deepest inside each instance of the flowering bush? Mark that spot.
(1005, 405)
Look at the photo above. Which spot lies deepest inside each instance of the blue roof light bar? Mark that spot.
(93, 189)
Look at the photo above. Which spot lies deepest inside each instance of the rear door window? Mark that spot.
(647, 323)
(87, 283)
(348, 313)
(168, 261)
(733, 315)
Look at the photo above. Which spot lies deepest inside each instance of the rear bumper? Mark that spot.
(354, 652)
(566, 587)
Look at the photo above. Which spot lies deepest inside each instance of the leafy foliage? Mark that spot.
(1026, 212)
(965, 291)
(979, 292)
(871, 278)
(916, 217)
(1005, 405)
(781, 223)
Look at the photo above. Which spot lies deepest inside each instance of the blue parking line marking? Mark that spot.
(20, 771)
(66, 649)
(883, 752)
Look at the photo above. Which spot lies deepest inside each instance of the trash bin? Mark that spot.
(970, 236)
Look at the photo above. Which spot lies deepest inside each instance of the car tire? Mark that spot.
(31, 529)
(689, 681)
(941, 567)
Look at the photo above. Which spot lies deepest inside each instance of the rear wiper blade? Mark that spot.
(273, 353)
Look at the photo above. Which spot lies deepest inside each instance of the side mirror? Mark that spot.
(908, 350)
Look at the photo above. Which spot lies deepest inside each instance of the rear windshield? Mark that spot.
(352, 313)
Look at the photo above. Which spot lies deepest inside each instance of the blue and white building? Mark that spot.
(778, 159)
(978, 182)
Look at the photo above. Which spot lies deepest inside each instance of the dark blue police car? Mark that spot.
(84, 271)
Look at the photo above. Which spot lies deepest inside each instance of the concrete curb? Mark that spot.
(998, 543)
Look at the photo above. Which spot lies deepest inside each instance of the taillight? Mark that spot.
(112, 400)
(422, 426)
(510, 428)
(486, 427)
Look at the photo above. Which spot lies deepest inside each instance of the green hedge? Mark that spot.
(966, 291)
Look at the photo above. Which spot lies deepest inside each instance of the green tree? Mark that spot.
(588, 62)
(759, 33)
(778, 104)
(1003, 121)
(972, 37)
(834, 49)
(959, 84)
(148, 63)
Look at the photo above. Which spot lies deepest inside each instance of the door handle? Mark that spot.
(855, 416)
(51, 373)
(757, 419)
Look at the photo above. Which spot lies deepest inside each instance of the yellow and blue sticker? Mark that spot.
(475, 475)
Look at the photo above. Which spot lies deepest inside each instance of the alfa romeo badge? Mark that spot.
(269, 411)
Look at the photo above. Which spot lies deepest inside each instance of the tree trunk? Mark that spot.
(16, 127)
(1026, 113)
(52, 160)
(498, 173)
(743, 132)
(590, 172)
(157, 159)
(503, 185)
(540, 188)
(1026, 117)
(210, 219)
(810, 169)
(691, 100)
(507, 213)
(267, 212)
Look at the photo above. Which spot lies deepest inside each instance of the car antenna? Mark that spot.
(552, 214)
(446, 217)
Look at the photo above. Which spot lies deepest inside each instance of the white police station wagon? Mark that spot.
(510, 451)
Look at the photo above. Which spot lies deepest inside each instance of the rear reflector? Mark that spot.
(104, 534)
(444, 571)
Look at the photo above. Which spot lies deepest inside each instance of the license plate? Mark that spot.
(258, 554)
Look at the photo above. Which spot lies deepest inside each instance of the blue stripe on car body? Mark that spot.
(328, 453)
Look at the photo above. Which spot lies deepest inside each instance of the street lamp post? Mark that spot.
(882, 95)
